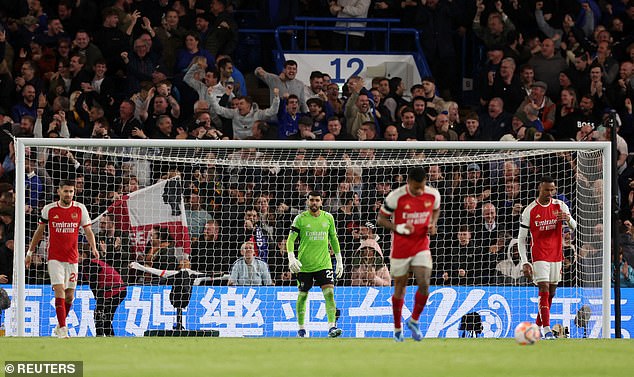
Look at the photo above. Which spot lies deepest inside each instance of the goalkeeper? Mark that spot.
(315, 229)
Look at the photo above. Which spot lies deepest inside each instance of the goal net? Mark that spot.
(191, 235)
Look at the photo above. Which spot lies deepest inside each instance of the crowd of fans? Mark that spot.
(556, 70)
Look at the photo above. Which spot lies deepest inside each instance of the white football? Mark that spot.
(527, 333)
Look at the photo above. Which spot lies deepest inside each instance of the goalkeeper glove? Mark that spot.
(403, 229)
(339, 267)
(293, 264)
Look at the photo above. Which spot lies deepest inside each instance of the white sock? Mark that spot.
(547, 329)
(397, 329)
(301, 327)
(331, 325)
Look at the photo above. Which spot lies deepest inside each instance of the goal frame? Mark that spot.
(22, 143)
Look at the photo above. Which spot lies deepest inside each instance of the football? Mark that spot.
(527, 333)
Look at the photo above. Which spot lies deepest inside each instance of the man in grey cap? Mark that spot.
(26, 26)
(473, 167)
(537, 110)
(475, 185)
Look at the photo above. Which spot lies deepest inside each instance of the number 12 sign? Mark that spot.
(343, 66)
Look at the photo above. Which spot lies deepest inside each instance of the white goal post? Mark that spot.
(508, 169)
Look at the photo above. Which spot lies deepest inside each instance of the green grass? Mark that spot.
(190, 357)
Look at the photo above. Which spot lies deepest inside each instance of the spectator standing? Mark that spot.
(83, 46)
(498, 25)
(223, 34)
(349, 40)
(245, 114)
(357, 109)
(171, 35)
(547, 64)
(285, 83)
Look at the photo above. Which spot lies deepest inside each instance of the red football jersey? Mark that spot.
(415, 210)
(545, 230)
(63, 229)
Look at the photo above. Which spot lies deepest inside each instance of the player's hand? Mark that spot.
(528, 270)
(432, 229)
(95, 253)
(404, 229)
(294, 265)
(28, 258)
(563, 216)
(339, 270)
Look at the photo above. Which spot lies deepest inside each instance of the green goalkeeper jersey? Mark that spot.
(314, 234)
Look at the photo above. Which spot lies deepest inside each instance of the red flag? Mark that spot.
(160, 205)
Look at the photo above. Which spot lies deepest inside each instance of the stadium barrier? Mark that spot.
(270, 311)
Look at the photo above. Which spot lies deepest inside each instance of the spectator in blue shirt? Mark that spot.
(28, 105)
(249, 270)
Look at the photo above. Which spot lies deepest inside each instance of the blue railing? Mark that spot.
(419, 55)
(387, 29)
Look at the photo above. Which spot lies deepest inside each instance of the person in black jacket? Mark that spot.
(108, 288)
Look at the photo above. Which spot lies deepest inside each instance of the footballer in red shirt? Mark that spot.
(63, 219)
(411, 213)
(544, 220)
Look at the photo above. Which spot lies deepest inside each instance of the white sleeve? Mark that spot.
(44, 213)
(37, 129)
(522, 235)
(437, 196)
(389, 204)
(85, 216)
(521, 245)
(64, 132)
(572, 223)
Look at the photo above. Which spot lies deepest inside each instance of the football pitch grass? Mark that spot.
(321, 357)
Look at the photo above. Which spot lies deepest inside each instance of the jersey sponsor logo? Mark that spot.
(415, 217)
(546, 224)
(64, 227)
(316, 236)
